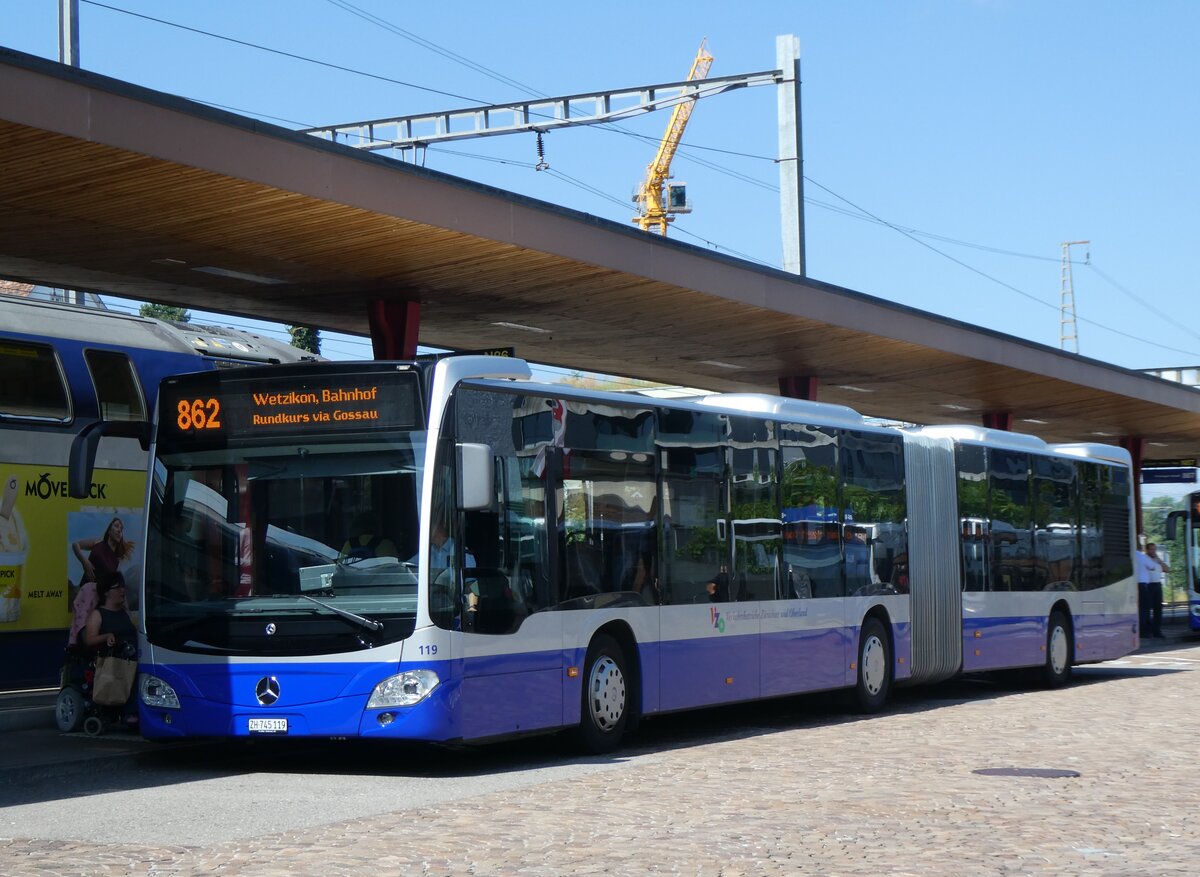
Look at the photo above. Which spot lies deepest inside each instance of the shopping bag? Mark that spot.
(113, 680)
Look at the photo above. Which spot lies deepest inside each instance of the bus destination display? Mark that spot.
(219, 410)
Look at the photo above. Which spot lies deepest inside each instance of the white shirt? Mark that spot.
(441, 555)
(1150, 569)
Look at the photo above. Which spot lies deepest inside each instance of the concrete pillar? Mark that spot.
(791, 154)
(799, 387)
(394, 326)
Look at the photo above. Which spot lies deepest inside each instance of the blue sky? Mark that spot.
(991, 131)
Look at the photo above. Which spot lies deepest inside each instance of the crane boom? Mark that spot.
(650, 195)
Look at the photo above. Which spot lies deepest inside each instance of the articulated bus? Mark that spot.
(1189, 519)
(551, 554)
(62, 367)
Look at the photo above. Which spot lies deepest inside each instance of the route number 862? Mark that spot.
(198, 414)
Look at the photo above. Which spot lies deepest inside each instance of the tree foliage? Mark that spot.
(1154, 520)
(306, 338)
(165, 312)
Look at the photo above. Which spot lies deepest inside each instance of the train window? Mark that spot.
(32, 383)
(117, 387)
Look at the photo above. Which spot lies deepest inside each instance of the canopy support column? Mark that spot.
(798, 387)
(997, 420)
(394, 326)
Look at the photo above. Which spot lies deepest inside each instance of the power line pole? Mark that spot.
(1066, 322)
(791, 155)
(68, 32)
(68, 53)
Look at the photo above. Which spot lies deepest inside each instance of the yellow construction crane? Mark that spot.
(655, 211)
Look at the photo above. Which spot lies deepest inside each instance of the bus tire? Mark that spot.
(874, 667)
(69, 710)
(605, 704)
(1060, 653)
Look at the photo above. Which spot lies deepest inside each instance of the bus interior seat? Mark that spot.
(584, 570)
(497, 608)
(481, 537)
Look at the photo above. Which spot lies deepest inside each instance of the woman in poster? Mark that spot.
(103, 557)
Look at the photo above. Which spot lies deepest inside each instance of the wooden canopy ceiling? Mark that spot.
(113, 188)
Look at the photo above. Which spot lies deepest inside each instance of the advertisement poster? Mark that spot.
(49, 540)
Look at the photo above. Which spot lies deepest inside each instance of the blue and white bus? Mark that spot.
(1185, 524)
(552, 554)
(62, 367)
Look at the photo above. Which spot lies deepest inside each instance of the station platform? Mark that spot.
(21, 710)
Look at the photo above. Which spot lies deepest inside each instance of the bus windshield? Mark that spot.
(317, 542)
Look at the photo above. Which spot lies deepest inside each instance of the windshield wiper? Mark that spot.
(368, 623)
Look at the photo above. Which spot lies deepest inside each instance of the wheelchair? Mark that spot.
(74, 708)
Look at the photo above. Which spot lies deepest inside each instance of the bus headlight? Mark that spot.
(403, 689)
(156, 693)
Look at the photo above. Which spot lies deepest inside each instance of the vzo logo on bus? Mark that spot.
(717, 621)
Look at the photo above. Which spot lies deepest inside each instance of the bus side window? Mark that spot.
(118, 391)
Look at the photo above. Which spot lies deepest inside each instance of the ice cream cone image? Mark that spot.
(14, 546)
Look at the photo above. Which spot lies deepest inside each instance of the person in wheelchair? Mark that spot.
(109, 631)
(109, 626)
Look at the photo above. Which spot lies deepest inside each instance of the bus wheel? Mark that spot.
(605, 697)
(1059, 654)
(874, 667)
(69, 710)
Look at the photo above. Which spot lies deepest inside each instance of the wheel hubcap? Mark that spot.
(1058, 650)
(606, 693)
(66, 711)
(874, 666)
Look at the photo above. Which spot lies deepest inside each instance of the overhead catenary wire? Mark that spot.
(285, 54)
(433, 47)
(701, 93)
(862, 214)
(1171, 319)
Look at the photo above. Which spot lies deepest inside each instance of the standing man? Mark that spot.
(1142, 568)
(1150, 590)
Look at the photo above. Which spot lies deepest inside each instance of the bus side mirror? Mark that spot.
(476, 477)
(1172, 520)
(83, 450)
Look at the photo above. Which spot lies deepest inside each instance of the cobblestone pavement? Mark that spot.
(819, 794)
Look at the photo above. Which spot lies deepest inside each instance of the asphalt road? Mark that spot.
(738, 773)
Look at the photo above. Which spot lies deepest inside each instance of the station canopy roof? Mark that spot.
(113, 188)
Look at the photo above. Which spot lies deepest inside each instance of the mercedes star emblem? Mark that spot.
(267, 690)
(270, 629)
